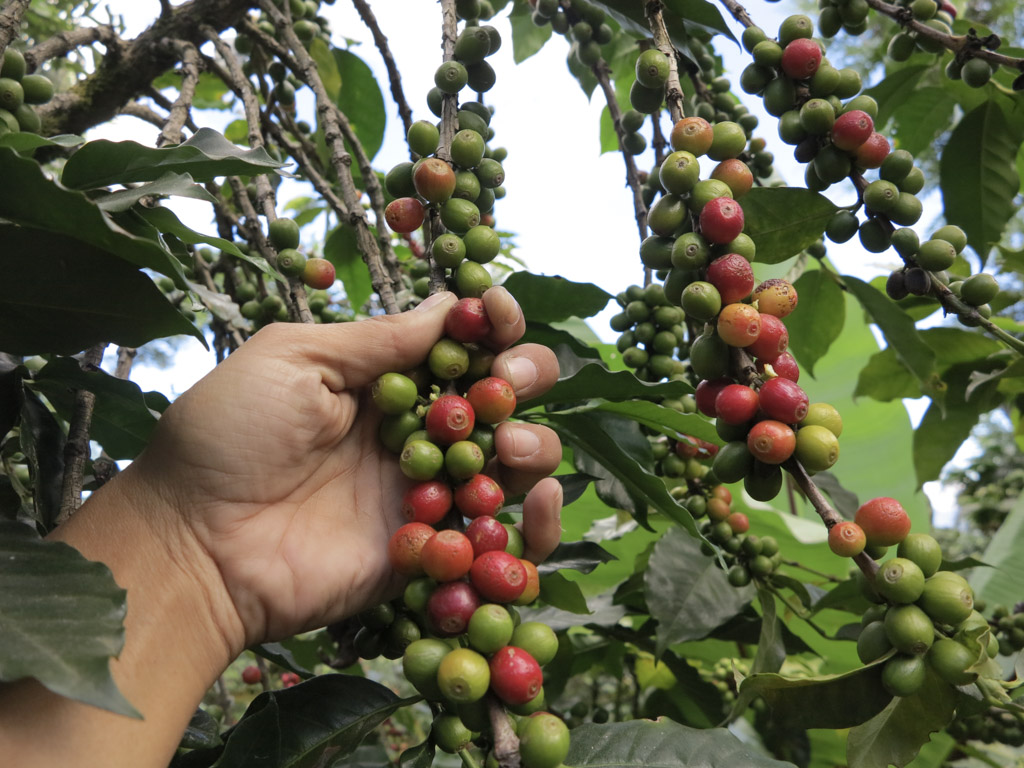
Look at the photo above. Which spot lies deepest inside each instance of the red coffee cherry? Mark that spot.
(721, 220)
(884, 521)
(404, 215)
(451, 606)
(736, 404)
(784, 365)
(434, 180)
(427, 502)
(498, 576)
(706, 394)
(872, 152)
(732, 276)
(251, 675)
(846, 539)
(486, 534)
(851, 129)
(801, 58)
(450, 419)
(447, 556)
(772, 341)
(516, 676)
(771, 442)
(467, 321)
(405, 547)
(493, 399)
(783, 400)
(479, 496)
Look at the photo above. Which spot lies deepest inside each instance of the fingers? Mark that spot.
(507, 321)
(352, 355)
(527, 453)
(542, 519)
(531, 369)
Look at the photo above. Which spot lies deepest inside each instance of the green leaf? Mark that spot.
(202, 732)
(826, 701)
(165, 220)
(61, 619)
(894, 90)
(925, 114)
(784, 220)
(205, 156)
(819, 320)
(541, 333)
(588, 434)
(323, 719)
(281, 656)
(551, 299)
(687, 592)
(697, 14)
(977, 176)
(61, 295)
(680, 16)
(26, 142)
(326, 67)
(342, 251)
(771, 649)
(885, 378)
(361, 101)
(668, 421)
(595, 381)
(123, 416)
(42, 442)
(527, 37)
(582, 556)
(900, 333)
(895, 735)
(1001, 583)
(559, 592)
(28, 198)
(171, 183)
(661, 743)
(210, 91)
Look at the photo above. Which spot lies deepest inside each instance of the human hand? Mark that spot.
(272, 464)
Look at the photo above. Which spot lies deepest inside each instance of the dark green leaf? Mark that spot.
(10, 391)
(170, 184)
(202, 732)
(844, 501)
(42, 442)
(559, 592)
(205, 156)
(895, 735)
(61, 295)
(596, 381)
(668, 421)
(977, 176)
(61, 619)
(885, 378)
(745, 628)
(550, 299)
(820, 319)
(771, 650)
(25, 142)
(828, 701)
(123, 418)
(361, 100)
(687, 592)
(894, 90)
(573, 486)
(680, 16)
(341, 250)
(697, 14)
(784, 220)
(420, 756)
(281, 656)
(924, 114)
(583, 556)
(28, 198)
(662, 744)
(900, 333)
(588, 434)
(303, 726)
(527, 37)
(962, 564)
(541, 333)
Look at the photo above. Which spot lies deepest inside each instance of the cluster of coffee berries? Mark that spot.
(652, 331)
(682, 460)
(1008, 627)
(924, 615)
(314, 272)
(252, 675)
(465, 578)
(745, 555)
(991, 726)
(581, 23)
(308, 25)
(18, 92)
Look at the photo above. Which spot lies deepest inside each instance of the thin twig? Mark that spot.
(76, 449)
(10, 22)
(63, 43)
(125, 358)
(673, 90)
(389, 62)
(506, 743)
(738, 12)
(142, 112)
(334, 134)
(181, 109)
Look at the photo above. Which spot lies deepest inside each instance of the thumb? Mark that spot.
(360, 352)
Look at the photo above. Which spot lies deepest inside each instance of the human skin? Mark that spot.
(261, 508)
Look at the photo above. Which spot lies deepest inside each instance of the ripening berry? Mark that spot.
(846, 539)
(404, 215)
(851, 129)
(733, 276)
(884, 521)
(801, 58)
(771, 442)
(739, 325)
(775, 297)
(467, 321)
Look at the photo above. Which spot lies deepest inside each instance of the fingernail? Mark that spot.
(433, 301)
(521, 372)
(512, 311)
(525, 442)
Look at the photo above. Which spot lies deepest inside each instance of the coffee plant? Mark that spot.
(748, 574)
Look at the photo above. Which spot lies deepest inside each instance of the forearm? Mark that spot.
(178, 639)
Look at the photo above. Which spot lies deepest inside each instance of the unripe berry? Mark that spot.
(692, 134)
(899, 581)
(318, 273)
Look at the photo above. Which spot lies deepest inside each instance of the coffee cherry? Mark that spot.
(537, 639)
(884, 521)
(283, 233)
(951, 661)
(823, 415)
(251, 675)
(679, 172)
(846, 539)
(423, 137)
(976, 72)
(736, 404)
(817, 449)
(498, 576)
(490, 628)
(707, 392)
(783, 400)
(451, 77)
(427, 502)
(923, 550)
(733, 462)
(801, 58)
(451, 606)
(739, 325)
(449, 419)
(772, 341)
(479, 496)
(771, 442)
(463, 460)
(493, 400)
(486, 535)
(515, 675)
(420, 460)
(979, 289)
(463, 676)
(434, 180)
(732, 275)
(873, 151)
(936, 255)
(899, 580)
(692, 134)
(394, 393)
(873, 642)
(795, 27)
(543, 741)
(450, 734)
(909, 629)
(404, 214)
(721, 220)
(739, 522)
(775, 297)
(405, 547)
(947, 598)
(785, 365)
(701, 300)
(652, 68)
(852, 129)
(904, 675)
(318, 274)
